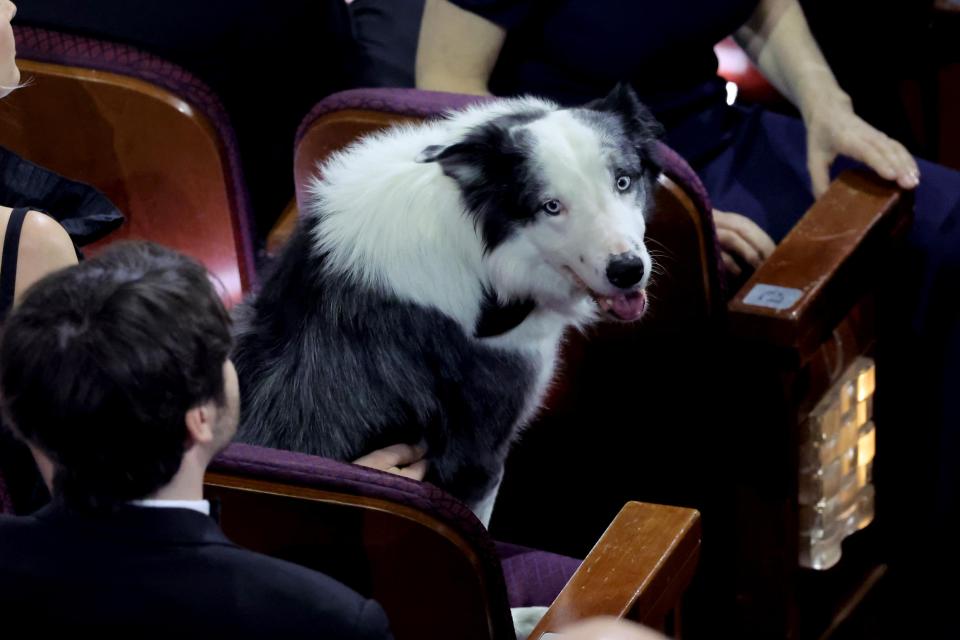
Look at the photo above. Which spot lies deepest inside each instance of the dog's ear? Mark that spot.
(621, 98)
(454, 152)
(431, 153)
(463, 161)
(623, 101)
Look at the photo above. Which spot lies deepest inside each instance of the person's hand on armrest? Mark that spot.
(834, 129)
(778, 40)
(404, 460)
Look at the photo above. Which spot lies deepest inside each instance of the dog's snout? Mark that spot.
(625, 270)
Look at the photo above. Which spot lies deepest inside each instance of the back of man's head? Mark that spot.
(100, 363)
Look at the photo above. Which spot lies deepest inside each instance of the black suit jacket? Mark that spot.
(165, 573)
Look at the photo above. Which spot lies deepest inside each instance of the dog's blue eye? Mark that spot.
(553, 207)
(623, 183)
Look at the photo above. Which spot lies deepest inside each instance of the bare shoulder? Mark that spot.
(45, 247)
(40, 231)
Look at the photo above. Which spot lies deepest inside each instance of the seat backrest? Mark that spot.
(426, 558)
(417, 551)
(148, 134)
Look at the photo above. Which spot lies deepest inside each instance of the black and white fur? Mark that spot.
(436, 267)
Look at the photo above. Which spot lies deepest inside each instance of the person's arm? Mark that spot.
(457, 49)
(778, 40)
(45, 247)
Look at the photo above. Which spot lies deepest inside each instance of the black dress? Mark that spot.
(87, 215)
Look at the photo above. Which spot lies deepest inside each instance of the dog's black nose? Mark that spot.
(625, 270)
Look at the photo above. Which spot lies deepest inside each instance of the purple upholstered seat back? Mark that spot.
(323, 473)
(53, 47)
(312, 472)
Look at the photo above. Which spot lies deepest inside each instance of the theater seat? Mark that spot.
(430, 563)
(728, 397)
(148, 134)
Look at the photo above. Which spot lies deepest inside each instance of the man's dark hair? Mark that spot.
(100, 363)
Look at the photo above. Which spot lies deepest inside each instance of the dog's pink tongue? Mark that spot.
(629, 306)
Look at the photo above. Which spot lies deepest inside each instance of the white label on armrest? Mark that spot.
(768, 295)
(551, 636)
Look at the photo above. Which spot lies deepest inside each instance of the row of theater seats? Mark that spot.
(158, 142)
(743, 439)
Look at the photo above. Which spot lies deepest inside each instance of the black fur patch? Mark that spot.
(492, 167)
(497, 318)
(331, 368)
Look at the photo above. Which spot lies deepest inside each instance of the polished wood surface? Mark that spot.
(772, 392)
(638, 569)
(831, 251)
(155, 156)
(840, 256)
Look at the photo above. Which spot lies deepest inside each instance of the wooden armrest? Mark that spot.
(824, 265)
(638, 569)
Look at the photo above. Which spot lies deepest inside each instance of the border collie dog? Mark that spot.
(436, 266)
